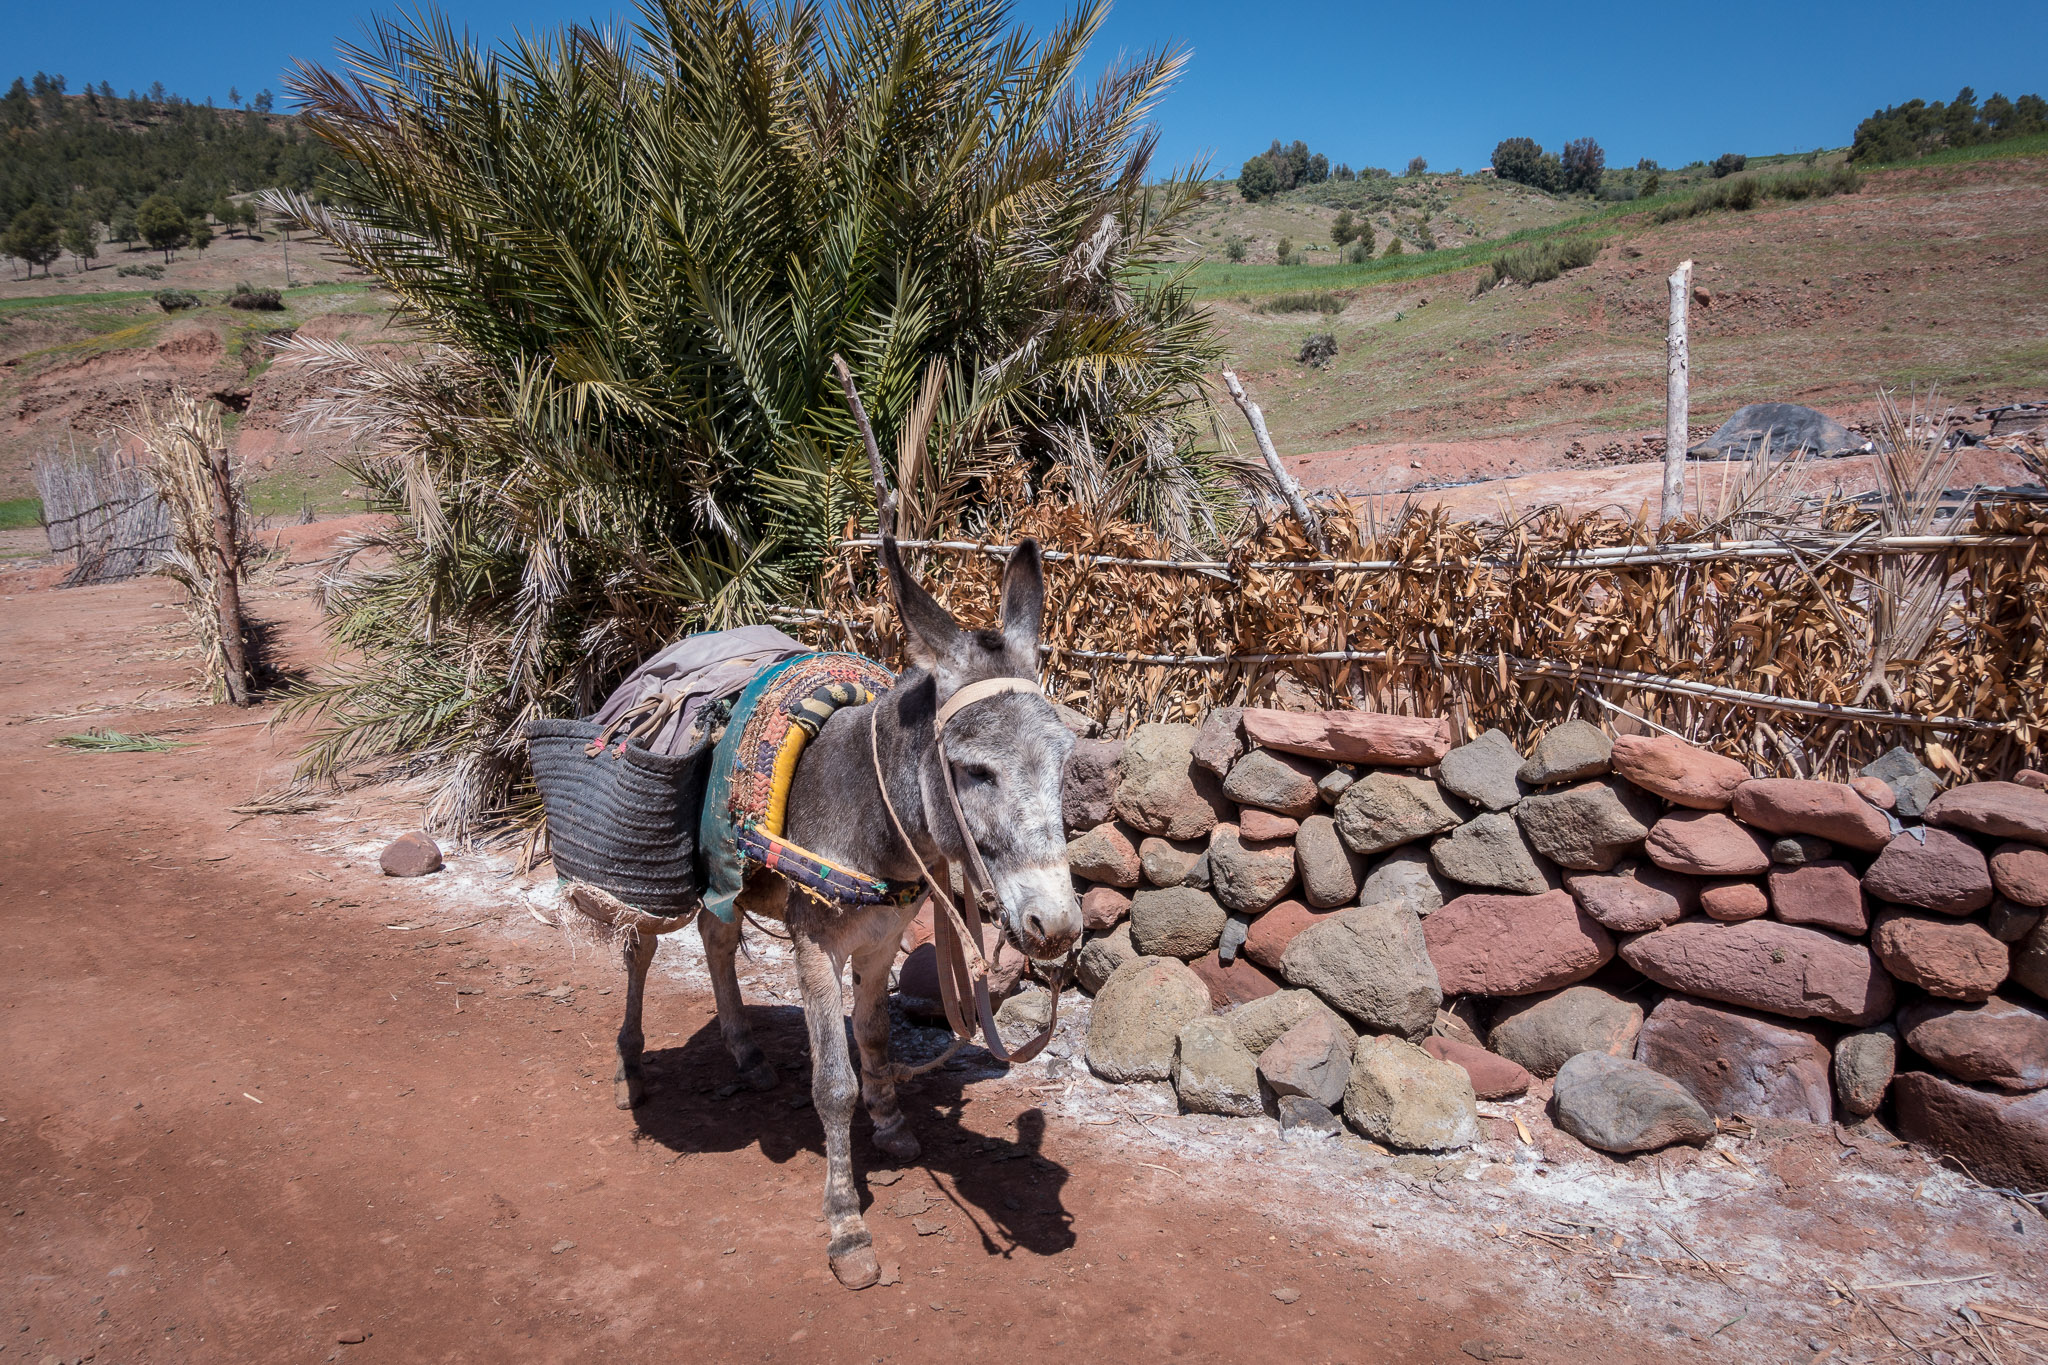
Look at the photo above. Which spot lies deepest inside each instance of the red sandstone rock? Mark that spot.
(410, 855)
(2000, 1042)
(1235, 983)
(1827, 810)
(2003, 810)
(1764, 965)
(1931, 869)
(1635, 897)
(1954, 959)
(1262, 826)
(1103, 906)
(2001, 1139)
(2020, 872)
(1105, 854)
(1352, 736)
(1494, 1077)
(1681, 773)
(1825, 893)
(1706, 844)
(2032, 777)
(1876, 791)
(1514, 945)
(1733, 901)
(1271, 932)
(1736, 1062)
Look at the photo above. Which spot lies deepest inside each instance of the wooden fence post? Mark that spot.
(227, 586)
(1677, 399)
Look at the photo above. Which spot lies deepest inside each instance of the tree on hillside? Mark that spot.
(1417, 165)
(234, 97)
(82, 239)
(1343, 230)
(1318, 168)
(201, 234)
(1518, 159)
(1916, 127)
(1727, 164)
(1258, 179)
(1362, 248)
(163, 224)
(1581, 166)
(261, 104)
(34, 236)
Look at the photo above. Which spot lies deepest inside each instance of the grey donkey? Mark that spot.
(1009, 753)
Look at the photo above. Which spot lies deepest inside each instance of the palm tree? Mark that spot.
(636, 253)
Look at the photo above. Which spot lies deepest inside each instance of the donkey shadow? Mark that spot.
(1007, 1188)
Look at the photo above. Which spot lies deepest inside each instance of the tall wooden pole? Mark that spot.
(1677, 398)
(227, 585)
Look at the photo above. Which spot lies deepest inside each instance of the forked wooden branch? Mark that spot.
(1281, 477)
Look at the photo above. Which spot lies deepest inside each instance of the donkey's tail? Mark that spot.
(610, 911)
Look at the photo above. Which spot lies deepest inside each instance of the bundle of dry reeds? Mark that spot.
(103, 509)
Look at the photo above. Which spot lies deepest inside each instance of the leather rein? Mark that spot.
(956, 928)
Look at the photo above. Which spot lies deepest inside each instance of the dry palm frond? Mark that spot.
(1910, 595)
(114, 742)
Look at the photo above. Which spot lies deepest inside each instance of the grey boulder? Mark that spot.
(1619, 1105)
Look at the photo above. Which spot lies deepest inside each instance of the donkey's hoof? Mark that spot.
(856, 1266)
(898, 1141)
(760, 1077)
(628, 1092)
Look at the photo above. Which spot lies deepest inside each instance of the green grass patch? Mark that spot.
(17, 513)
(2033, 144)
(1312, 301)
(1535, 262)
(59, 300)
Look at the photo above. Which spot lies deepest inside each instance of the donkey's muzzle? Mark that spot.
(1046, 930)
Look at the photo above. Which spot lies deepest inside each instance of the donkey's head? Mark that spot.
(1008, 752)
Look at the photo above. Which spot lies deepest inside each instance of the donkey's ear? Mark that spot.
(1024, 601)
(930, 633)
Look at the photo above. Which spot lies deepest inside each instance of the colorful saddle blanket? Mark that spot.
(774, 717)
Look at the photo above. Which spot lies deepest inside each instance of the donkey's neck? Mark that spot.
(836, 803)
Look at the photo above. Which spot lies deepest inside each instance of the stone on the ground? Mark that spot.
(1334, 784)
(1683, 774)
(1023, 1016)
(1489, 852)
(1408, 877)
(1330, 873)
(1261, 1023)
(1103, 907)
(1213, 1074)
(2032, 777)
(1372, 964)
(1733, 901)
(1248, 877)
(1100, 956)
(1760, 431)
(1161, 791)
(1257, 826)
(1088, 791)
(412, 854)
(2000, 1042)
(1825, 893)
(1706, 844)
(1313, 1058)
(1875, 791)
(1588, 827)
(1543, 1032)
(1169, 862)
(1175, 921)
(1735, 1062)
(1797, 850)
(2010, 922)
(1567, 753)
(2020, 873)
(1105, 854)
(1483, 772)
(1486, 944)
(1493, 1076)
(1864, 1063)
(1400, 1095)
(2001, 1139)
(1619, 1105)
(1303, 1117)
(1352, 736)
(1266, 940)
(1384, 810)
(1931, 869)
(1913, 783)
(1827, 810)
(1763, 965)
(1236, 982)
(1954, 959)
(1220, 742)
(1134, 1028)
(1282, 783)
(1636, 896)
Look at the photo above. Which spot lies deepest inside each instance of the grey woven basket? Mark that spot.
(625, 823)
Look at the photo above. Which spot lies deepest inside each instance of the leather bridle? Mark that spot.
(956, 929)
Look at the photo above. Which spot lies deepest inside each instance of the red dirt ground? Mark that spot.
(260, 1101)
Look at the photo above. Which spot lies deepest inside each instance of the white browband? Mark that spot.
(981, 691)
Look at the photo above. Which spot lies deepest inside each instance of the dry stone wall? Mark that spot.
(1329, 917)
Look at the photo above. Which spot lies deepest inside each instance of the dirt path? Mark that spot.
(260, 1101)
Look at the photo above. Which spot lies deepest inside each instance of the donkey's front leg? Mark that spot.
(871, 1030)
(833, 1091)
(628, 1086)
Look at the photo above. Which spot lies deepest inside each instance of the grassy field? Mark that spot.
(16, 513)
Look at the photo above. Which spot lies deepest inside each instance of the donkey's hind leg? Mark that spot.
(721, 942)
(629, 1087)
(871, 1031)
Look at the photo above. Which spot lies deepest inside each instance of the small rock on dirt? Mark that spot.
(1619, 1105)
(410, 855)
(1313, 1058)
(1300, 1115)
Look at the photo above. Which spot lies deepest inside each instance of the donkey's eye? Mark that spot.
(978, 773)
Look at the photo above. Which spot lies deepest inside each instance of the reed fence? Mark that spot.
(101, 507)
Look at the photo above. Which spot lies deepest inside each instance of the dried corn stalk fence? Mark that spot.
(100, 507)
(1791, 651)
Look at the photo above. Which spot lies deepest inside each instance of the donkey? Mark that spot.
(1008, 752)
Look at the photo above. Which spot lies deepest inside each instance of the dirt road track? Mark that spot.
(242, 1120)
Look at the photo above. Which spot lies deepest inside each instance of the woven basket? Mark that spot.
(625, 823)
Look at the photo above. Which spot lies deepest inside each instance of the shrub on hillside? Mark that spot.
(1517, 159)
(148, 272)
(176, 300)
(255, 300)
(1319, 350)
(1417, 165)
(1360, 252)
(1727, 164)
(1309, 301)
(1343, 229)
(1581, 166)
(1284, 252)
(1535, 262)
(1234, 248)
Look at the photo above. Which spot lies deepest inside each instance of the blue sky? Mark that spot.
(1368, 84)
